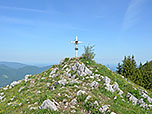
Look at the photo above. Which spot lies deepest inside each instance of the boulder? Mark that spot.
(48, 85)
(115, 97)
(53, 71)
(1, 94)
(73, 111)
(94, 84)
(21, 88)
(1, 97)
(5, 88)
(92, 77)
(97, 75)
(53, 75)
(115, 86)
(140, 101)
(144, 94)
(14, 83)
(149, 99)
(132, 98)
(73, 82)
(80, 92)
(33, 108)
(62, 60)
(96, 103)
(87, 71)
(12, 98)
(42, 78)
(67, 74)
(38, 92)
(109, 87)
(88, 97)
(106, 80)
(150, 106)
(81, 69)
(74, 101)
(26, 77)
(120, 92)
(74, 68)
(104, 108)
(62, 82)
(47, 104)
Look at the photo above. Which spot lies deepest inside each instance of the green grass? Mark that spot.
(99, 94)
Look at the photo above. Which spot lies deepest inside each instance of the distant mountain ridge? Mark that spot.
(10, 71)
(13, 64)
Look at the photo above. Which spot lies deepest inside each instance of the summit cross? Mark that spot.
(76, 42)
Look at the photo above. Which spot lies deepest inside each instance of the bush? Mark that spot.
(88, 53)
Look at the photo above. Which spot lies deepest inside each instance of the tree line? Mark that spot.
(141, 75)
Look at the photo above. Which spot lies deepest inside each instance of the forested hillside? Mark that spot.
(16, 71)
(141, 75)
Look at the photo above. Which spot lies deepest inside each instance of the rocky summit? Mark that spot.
(76, 86)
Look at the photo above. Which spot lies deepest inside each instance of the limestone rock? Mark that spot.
(1, 97)
(42, 78)
(67, 74)
(104, 108)
(62, 60)
(80, 92)
(14, 83)
(144, 94)
(62, 82)
(149, 99)
(120, 92)
(106, 80)
(87, 71)
(88, 97)
(49, 104)
(5, 88)
(48, 85)
(109, 87)
(73, 82)
(115, 97)
(21, 88)
(1, 94)
(26, 77)
(150, 106)
(94, 84)
(12, 98)
(33, 108)
(132, 98)
(73, 111)
(115, 86)
(53, 71)
(53, 75)
(74, 101)
(96, 103)
(81, 69)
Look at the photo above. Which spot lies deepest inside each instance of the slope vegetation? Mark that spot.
(75, 86)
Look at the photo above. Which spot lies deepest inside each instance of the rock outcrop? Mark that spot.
(47, 104)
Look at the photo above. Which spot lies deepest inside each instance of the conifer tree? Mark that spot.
(88, 53)
(141, 75)
(119, 68)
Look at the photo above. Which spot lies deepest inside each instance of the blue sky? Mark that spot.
(40, 31)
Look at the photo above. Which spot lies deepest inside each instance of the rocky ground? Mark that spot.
(75, 86)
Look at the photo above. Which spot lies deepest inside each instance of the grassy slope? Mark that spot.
(100, 94)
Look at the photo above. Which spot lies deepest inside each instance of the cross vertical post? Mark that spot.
(76, 42)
